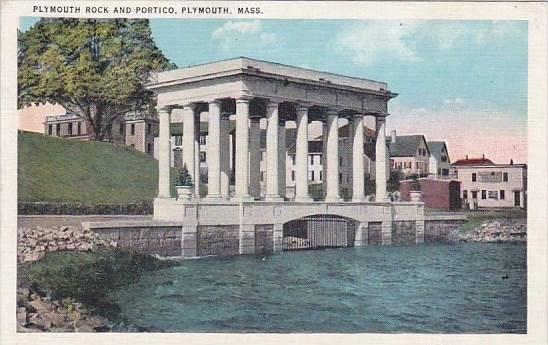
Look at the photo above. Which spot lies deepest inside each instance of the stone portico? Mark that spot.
(248, 91)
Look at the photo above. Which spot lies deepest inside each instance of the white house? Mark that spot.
(485, 184)
(440, 164)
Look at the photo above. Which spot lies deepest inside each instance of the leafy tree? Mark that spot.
(94, 68)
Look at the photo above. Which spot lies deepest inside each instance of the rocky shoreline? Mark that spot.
(36, 310)
(497, 231)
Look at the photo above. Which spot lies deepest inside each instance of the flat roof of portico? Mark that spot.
(253, 66)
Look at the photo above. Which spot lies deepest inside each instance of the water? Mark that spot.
(426, 289)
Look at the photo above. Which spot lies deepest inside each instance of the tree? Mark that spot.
(183, 177)
(94, 68)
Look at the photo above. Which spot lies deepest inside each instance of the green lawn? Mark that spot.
(65, 170)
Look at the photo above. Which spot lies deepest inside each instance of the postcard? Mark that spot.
(274, 172)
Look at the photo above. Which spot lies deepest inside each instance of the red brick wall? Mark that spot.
(438, 194)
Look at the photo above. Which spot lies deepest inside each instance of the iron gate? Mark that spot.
(318, 231)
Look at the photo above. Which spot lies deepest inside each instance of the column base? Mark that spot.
(273, 198)
(240, 198)
(359, 199)
(333, 199)
(303, 199)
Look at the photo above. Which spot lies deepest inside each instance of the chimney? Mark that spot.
(511, 161)
(466, 157)
(483, 156)
(393, 136)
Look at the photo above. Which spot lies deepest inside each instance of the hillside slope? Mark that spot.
(64, 170)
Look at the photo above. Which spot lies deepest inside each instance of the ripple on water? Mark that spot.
(427, 289)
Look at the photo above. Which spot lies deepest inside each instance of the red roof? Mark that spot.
(474, 161)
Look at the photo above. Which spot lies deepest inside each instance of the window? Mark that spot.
(149, 128)
(58, 129)
(311, 159)
(202, 156)
(417, 165)
(501, 194)
(340, 161)
(312, 175)
(443, 158)
(50, 129)
(483, 194)
(149, 147)
(320, 175)
(177, 158)
(292, 175)
(178, 140)
(465, 194)
(79, 129)
(132, 129)
(473, 177)
(439, 171)
(320, 158)
(70, 128)
(293, 159)
(203, 140)
(121, 129)
(262, 176)
(340, 177)
(505, 177)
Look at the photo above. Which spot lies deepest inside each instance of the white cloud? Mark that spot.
(372, 41)
(449, 35)
(236, 33)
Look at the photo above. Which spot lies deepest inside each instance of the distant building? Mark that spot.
(409, 154)
(485, 184)
(440, 164)
(135, 130)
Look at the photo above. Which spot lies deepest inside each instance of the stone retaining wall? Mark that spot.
(156, 240)
(403, 232)
(221, 240)
(374, 230)
(443, 230)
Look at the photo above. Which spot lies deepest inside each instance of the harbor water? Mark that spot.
(460, 288)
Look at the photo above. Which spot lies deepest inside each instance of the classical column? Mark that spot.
(358, 194)
(272, 157)
(225, 156)
(301, 156)
(164, 153)
(332, 194)
(379, 121)
(189, 137)
(281, 158)
(380, 166)
(254, 157)
(196, 154)
(325, 163)
(214, 151)
(242, 149)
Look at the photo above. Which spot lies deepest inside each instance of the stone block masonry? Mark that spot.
(163, 240)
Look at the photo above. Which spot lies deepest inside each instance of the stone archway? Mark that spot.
(318, 231)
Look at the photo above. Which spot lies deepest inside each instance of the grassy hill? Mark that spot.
(63, 170)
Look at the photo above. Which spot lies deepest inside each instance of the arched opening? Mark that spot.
(318, 231)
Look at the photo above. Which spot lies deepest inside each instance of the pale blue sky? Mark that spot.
(457, 80)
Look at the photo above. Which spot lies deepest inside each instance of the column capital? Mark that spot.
(281, 122)
(216, 101)
(166, 109)
(272, 103)
(358, 115)
(243, 98)
(303, 106)
(189, 106)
